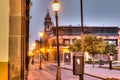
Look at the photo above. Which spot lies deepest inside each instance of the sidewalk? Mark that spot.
(36, 74)
(96, 71)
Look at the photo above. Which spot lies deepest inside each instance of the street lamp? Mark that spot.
(41, 34)
(40, 55)
(56, 6)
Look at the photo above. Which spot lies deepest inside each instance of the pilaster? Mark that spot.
(16, 41)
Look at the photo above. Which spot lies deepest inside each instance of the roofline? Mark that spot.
(88, 26)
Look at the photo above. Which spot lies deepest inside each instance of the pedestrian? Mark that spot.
(32, 60)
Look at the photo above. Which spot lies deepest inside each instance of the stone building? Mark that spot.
(67, 34)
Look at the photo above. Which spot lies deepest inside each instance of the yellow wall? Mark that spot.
(3, 70)
(4, 32)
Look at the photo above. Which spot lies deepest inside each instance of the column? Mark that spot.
(17, 39)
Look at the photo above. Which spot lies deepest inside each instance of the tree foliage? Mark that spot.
(92, 44)
(75, 46)
(110, 48)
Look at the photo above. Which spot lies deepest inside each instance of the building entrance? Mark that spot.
(67, 58)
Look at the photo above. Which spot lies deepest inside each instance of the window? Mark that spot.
(54, 43)
(66, 42)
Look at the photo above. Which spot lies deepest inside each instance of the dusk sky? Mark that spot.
(95, 13)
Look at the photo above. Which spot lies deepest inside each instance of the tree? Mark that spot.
(75, 46)
(101, 48)
(110, 48)
(93, 45)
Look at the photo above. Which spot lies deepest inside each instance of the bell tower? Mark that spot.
(47, 23)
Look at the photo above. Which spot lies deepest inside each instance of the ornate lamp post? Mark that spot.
(40, 55)
(56, 6)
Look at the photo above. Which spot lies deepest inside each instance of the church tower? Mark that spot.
(47, 23)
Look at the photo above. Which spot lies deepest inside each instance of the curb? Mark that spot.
(108, 68)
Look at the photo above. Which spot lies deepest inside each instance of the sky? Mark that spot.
(95, 13)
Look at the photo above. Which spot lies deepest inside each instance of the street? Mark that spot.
(48, 72)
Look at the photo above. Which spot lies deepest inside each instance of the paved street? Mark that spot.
(49, 73)
(36, 74)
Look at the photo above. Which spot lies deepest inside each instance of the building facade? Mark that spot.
(67, 34)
